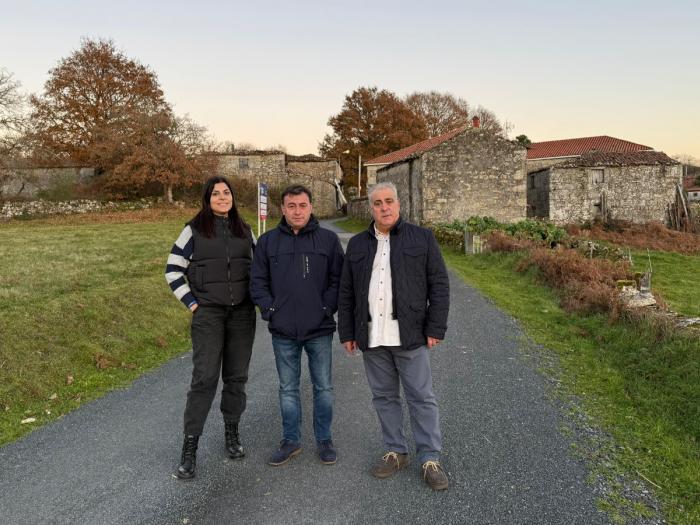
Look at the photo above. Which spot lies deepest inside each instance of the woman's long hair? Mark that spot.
(203, 222)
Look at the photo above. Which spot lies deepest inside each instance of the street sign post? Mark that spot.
(262, 206)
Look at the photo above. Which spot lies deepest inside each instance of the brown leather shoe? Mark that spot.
(434, 475)
(390, 463)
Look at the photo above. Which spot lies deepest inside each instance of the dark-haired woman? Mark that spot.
(209, 270)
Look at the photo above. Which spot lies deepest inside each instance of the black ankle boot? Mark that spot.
(188, 461)
(233, 443)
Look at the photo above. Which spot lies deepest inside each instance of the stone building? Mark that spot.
(278, 169)
(464, 172)
(545, 154)
(635, 186)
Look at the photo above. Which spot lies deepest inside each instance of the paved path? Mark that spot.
(112, 460)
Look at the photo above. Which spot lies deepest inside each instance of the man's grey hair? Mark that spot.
(382, 186)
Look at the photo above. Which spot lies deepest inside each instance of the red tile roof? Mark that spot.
(575, 147)
(634, 158)
(416, 149)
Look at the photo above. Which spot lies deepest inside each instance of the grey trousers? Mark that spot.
(389, 366)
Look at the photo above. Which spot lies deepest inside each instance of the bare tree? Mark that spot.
(12, 115)
(441, 112)
(490, 122)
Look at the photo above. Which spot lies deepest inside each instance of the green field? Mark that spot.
(84, 308)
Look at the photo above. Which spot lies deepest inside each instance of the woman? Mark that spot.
(209, 270)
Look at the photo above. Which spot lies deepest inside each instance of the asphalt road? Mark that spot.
(112, 460)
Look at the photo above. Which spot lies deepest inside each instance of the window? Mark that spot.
(243, 163)
(597, 176)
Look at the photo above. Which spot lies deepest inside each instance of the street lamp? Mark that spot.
(359, 171)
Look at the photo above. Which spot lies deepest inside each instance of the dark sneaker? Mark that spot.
(326, 451)
(434, 475)
(390, 463)
(283, 454)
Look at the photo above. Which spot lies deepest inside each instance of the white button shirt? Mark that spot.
(383, 330)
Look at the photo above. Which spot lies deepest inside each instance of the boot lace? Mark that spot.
(391, 456)
(189, 449)
(430, 466)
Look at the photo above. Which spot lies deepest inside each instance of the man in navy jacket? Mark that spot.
(294, 280)
(393, 305)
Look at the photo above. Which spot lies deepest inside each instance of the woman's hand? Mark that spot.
(194, 307)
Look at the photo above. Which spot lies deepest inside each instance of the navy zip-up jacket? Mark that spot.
(295, 278)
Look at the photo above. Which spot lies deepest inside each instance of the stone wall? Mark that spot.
(267, 167)
(407, 176)
(538, 164)
(474, 173)
(633, 193)
(278, 172)
(372, 173)
(318, 176)
(359, 209)
(32, 183)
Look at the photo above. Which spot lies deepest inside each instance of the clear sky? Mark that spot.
(268, 72)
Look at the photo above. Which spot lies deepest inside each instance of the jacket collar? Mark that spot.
(312, 225)
(395, 229)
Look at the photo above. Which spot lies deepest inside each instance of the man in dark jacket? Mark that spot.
(393, 305)
(294, 281)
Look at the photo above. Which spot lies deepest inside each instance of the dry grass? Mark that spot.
(651, 235)
(586, 285)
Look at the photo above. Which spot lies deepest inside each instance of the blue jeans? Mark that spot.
(288, 361)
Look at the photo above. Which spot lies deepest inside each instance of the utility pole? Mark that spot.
(359, 175)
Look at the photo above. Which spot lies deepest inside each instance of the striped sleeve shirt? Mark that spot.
(178, 261)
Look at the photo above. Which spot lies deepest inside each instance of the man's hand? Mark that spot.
(350, 347)
(433, 342)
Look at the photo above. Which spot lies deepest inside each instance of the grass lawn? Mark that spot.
(674, 277)
(84, 308)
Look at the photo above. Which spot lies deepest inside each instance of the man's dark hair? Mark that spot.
(296, 189)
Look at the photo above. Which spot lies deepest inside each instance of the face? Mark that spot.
(297, 210)
(385, 209)
(221, 200)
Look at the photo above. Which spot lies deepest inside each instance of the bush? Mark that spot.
(447, 235)
(586, 285)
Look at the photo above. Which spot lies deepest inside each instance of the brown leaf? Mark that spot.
(161, 342)
(69, 379)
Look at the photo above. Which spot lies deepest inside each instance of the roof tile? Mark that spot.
(575, 147)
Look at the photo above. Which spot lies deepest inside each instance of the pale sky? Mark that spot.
(271, 72)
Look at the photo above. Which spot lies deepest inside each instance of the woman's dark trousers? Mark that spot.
(222, 341)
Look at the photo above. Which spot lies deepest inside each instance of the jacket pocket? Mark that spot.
(415, 260)
(418, 309)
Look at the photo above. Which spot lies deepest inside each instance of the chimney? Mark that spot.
(475, 121)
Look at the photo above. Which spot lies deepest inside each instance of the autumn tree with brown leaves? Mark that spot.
(104, 110)
(370, 123)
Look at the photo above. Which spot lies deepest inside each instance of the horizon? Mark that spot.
(273, 75)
